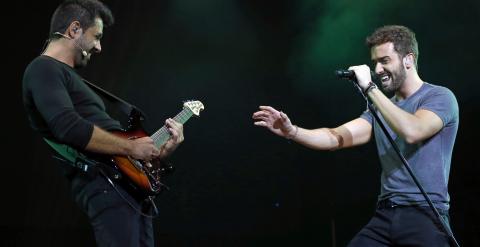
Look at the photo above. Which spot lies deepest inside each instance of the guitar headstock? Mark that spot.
(195, 106)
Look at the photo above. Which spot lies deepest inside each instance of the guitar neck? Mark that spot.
(162, 135)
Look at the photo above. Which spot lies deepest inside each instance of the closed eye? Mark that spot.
(382, 60)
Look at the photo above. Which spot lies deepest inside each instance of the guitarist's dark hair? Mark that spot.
(83, 11)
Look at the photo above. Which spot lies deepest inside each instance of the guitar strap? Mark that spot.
(71, 155)
(127, 108)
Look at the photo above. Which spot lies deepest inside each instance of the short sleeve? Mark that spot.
(443, 103)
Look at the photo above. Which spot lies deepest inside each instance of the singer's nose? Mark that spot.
(378, 68)
(97, 47)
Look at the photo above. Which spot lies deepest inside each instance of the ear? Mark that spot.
(408, 61)
(74, 29)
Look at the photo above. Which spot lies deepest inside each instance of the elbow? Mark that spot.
(413, 137)
(78, 142)
(410, 132)
(77, 136)
(412, 140)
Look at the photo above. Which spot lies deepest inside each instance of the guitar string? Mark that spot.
(163, 130)
(182, 117)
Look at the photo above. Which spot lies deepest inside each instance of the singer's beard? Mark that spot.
(81, 60)
(397, 78)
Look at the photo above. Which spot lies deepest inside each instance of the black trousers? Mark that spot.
(394, 225)
(114, 221)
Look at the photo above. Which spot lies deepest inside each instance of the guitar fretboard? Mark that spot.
(162, 135)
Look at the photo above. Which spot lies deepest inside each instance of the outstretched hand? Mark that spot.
(276, 121)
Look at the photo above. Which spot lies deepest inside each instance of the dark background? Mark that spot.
(237, 184)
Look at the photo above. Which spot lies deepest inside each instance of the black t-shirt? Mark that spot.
(60, 105)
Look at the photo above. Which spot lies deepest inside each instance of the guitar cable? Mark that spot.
(150, 198)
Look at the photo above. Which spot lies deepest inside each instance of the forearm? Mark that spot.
(104, 142)
(406, 125)
(319, 139)
(353, 133)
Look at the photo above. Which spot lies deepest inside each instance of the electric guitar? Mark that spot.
(144, 176)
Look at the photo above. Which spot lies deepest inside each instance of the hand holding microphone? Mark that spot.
(361, 74)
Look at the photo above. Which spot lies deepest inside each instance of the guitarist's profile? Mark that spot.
(113, 173)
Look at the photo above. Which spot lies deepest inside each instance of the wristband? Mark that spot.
(370, 86)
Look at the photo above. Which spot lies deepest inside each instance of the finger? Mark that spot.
(173, 123)
(179, 127)
(258, 113)
(176, 124)
(260, 123)
(261, 114)
(150, 140)
(284, 116)
(265, 119)
(352, 68)
(168, 122)
(145, 139)
(155, 152)
(173, 133)
(269, 109)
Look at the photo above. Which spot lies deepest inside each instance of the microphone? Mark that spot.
(345, 74)
(84, 53)
(350, 74)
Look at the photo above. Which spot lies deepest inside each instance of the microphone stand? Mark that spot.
(446, 229)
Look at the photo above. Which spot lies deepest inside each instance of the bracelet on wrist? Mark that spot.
(370, 86)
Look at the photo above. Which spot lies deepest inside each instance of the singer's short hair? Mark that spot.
(403, 39)
(83, 11)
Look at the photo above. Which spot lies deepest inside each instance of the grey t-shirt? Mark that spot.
(429, 159)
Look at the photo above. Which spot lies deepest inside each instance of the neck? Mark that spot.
(410, 86)
(61, 51)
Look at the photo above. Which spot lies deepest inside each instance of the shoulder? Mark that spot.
(42, 62)
(43, 70)
(436, 90)
(440, 100)
(435, 93)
